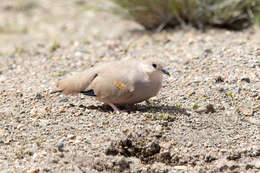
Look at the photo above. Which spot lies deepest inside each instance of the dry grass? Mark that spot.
(157, 14)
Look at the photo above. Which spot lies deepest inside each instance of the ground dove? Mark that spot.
(117, 83)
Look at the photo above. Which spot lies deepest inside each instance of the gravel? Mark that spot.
(205, 118)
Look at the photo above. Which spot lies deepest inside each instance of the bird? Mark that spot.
(121, 82)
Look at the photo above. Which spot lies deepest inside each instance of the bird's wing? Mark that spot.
(115, 83)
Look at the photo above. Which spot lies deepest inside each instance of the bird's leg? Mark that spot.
(118, 111)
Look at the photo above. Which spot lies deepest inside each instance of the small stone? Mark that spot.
(209, 158)
(238, 89)
(221, 89)
(254, 121)
(181, 167)
(111, 150)
(158, 128)
(165, 156)
(60, 145)
(38, 96)
(82, 106)
(43, 153)
(120, 164)
(78, 140)
(55, 161)
(78, 54)
(222, 165)
(20, 126)
(46, 170)
(233, 166)
(210, 108)
(64, 100)
(37, 111)
(189, 144)
(33, 170)
(208, 50)
(245, 79)
(2, 78)
(98, 164)
(254, 64)
(257, 164)
(71, 136)
(254, 151)
(71, 105)
(125, 130)
(234, 156)
(188, 121)
(152, 149)
(191, 92)
(158, 131)
(245, 111)
(219, 79)
(61, 155)
(249, 166)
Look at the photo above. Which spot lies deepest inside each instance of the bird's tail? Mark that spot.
(76, 83)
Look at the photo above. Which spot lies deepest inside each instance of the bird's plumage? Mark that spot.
(118, 82)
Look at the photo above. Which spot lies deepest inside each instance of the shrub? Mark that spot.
(157, 14)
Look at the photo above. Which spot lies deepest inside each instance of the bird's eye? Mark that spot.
(154, 65)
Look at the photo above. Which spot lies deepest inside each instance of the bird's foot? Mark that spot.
(117, 111)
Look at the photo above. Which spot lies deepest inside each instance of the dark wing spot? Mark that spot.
(88, 93)
(91, 91)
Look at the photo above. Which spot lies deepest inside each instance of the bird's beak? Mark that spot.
(166, 72)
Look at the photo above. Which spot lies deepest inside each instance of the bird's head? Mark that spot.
(156, 65)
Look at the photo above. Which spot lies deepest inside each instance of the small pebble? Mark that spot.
(181, 167)
(254, 64)
(246, 79)
(238, 89)
(257, 164)
(33, 170)
(210, 108)
(38, 96)
(78, 54)
(246, 111)
(71, 136)
(219, 79)
(60, 145)
(188, 121)
(64, 100)
(254, 121)
(234, 156)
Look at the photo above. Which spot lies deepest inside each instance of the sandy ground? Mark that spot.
(206, 117)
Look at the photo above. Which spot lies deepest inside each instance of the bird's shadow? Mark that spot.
(142, 108)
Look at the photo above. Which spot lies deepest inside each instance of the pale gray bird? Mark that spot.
(117, 83)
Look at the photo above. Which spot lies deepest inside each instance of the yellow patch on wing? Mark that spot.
(119, 85)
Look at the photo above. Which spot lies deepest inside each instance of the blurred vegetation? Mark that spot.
(157, 14)
(20, 5)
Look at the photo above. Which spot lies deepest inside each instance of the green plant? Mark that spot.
(54, 46)
(195, 106)
(229, 93)
(178, 106)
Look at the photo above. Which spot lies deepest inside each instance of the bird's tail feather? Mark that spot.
(77, 83)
